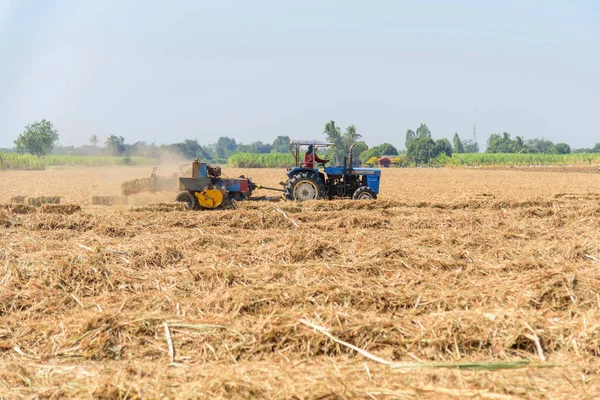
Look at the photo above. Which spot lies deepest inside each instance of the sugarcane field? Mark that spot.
(453, 283)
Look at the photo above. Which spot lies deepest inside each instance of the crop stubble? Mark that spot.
(450, 265)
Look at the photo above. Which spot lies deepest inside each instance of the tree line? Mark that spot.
(41, 138)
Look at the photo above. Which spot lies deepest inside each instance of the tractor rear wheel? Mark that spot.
(364, 193)
(189, 199)
(305, 186)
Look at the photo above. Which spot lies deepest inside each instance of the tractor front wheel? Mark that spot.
(305, 186)
(189, 199)
(364, 193)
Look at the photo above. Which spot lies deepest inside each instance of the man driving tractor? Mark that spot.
(310, 157)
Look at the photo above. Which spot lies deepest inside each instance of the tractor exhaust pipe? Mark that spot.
(351, 164)
(196, 168)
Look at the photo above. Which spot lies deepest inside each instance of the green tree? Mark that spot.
(94, 140)
(38, 138)
(387, 149)
(281, 144)
(458, 145)
(444, 146)
(359, 149)
(470, 146)
(596, 148)
(423, 132)
(260, 147)
(536, 145)
(504, 144)
(226, 143)
(350, 136)
(421, 150)
(334, 135)
(191, 149)
(115, 145)
(384, 149)
(561, 148)
(410, 136)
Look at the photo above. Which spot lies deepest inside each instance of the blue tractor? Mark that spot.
(310, 180)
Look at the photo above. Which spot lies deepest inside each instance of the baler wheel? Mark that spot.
(189, 199)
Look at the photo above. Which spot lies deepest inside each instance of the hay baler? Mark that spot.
(207, 189)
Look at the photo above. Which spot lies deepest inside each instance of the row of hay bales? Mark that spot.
(41, 200)
(20, 208)
(43, 204)
(51, 205)
(109, 200)
(35, 201)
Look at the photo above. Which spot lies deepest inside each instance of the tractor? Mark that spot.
(206, 188)
(307, 182)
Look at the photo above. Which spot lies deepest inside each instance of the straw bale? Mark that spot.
(18, 199)
(109, 200)
(5, 220)
(136, 186)
(66, 209)
(40, 200)
(18, 208)
(141, 185)
(162, 207)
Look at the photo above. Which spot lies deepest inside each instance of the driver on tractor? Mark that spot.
(310, 157)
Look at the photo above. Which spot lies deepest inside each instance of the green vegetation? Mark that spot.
(36, 148)
(343, 142)
(30, 162)
(271, 160)
(519, 159)
(21, 161)
(384, 149)
(38, 138)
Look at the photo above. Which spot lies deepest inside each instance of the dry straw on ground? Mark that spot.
(263, 301)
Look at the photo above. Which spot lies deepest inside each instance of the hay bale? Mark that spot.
(152, 184)
(162, 207)
(109, 200)
(4, 220)
(65, 209)
(136, 186)
(18, 199)
(38, 201)
(18, 208)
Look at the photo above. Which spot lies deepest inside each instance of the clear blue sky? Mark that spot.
(163, 71)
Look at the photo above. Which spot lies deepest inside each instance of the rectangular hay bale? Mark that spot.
(109, 200)
(162, 207)
(18, 199)
(38, 201)
(65, 209)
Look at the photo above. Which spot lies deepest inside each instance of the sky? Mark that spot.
(165, 71)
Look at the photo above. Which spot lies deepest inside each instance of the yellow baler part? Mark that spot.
(209, 198)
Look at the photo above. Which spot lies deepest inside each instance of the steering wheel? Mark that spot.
(321, 165)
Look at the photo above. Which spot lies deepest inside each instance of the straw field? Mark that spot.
(457, 283)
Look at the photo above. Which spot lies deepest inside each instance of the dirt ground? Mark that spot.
(469, 271)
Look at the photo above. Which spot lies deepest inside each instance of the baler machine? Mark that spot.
(207, 189)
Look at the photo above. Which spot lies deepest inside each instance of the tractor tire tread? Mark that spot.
(304, 175)
(364, 189)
